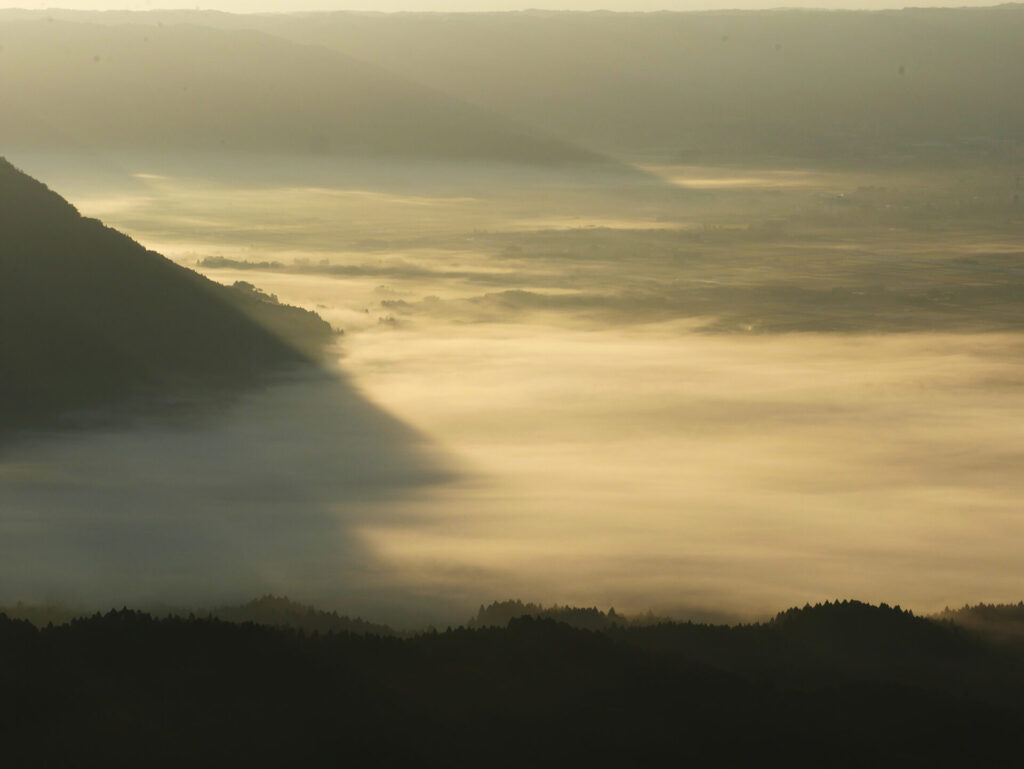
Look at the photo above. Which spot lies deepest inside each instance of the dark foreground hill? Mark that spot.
(267, 610)
(90, 319)
(842, 684)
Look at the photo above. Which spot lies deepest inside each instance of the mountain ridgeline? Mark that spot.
(835, 684)
(90, 319)
(856, 86)
(181, 87)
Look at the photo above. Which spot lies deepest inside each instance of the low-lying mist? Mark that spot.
(660, 467)
(702, 392)
(264, 496)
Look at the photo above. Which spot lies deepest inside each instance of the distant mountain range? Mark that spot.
(90, 319)
(73, 86)
(819, 84)
(814, 84)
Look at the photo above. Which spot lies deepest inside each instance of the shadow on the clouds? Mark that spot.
(267, 494)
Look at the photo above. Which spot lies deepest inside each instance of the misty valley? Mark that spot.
(769, 375)
(700, 316)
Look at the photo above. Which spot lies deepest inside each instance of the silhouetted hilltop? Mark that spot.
(89, 318)
(278, 611)
(843, 625)
(122, 686)
(268, 610)
(500, 613)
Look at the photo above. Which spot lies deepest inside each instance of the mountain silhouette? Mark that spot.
(89, 318)
(125, 684)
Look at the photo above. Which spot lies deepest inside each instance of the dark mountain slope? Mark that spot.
(181, 87)
(89, 318)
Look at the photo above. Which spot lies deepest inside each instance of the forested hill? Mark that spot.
(838, 684)
(89, 318)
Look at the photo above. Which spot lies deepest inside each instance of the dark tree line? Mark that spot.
(842, 684)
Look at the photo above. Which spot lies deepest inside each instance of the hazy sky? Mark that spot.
(242, 6)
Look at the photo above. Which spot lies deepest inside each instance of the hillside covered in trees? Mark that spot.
(837, 684)
(89, 319)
